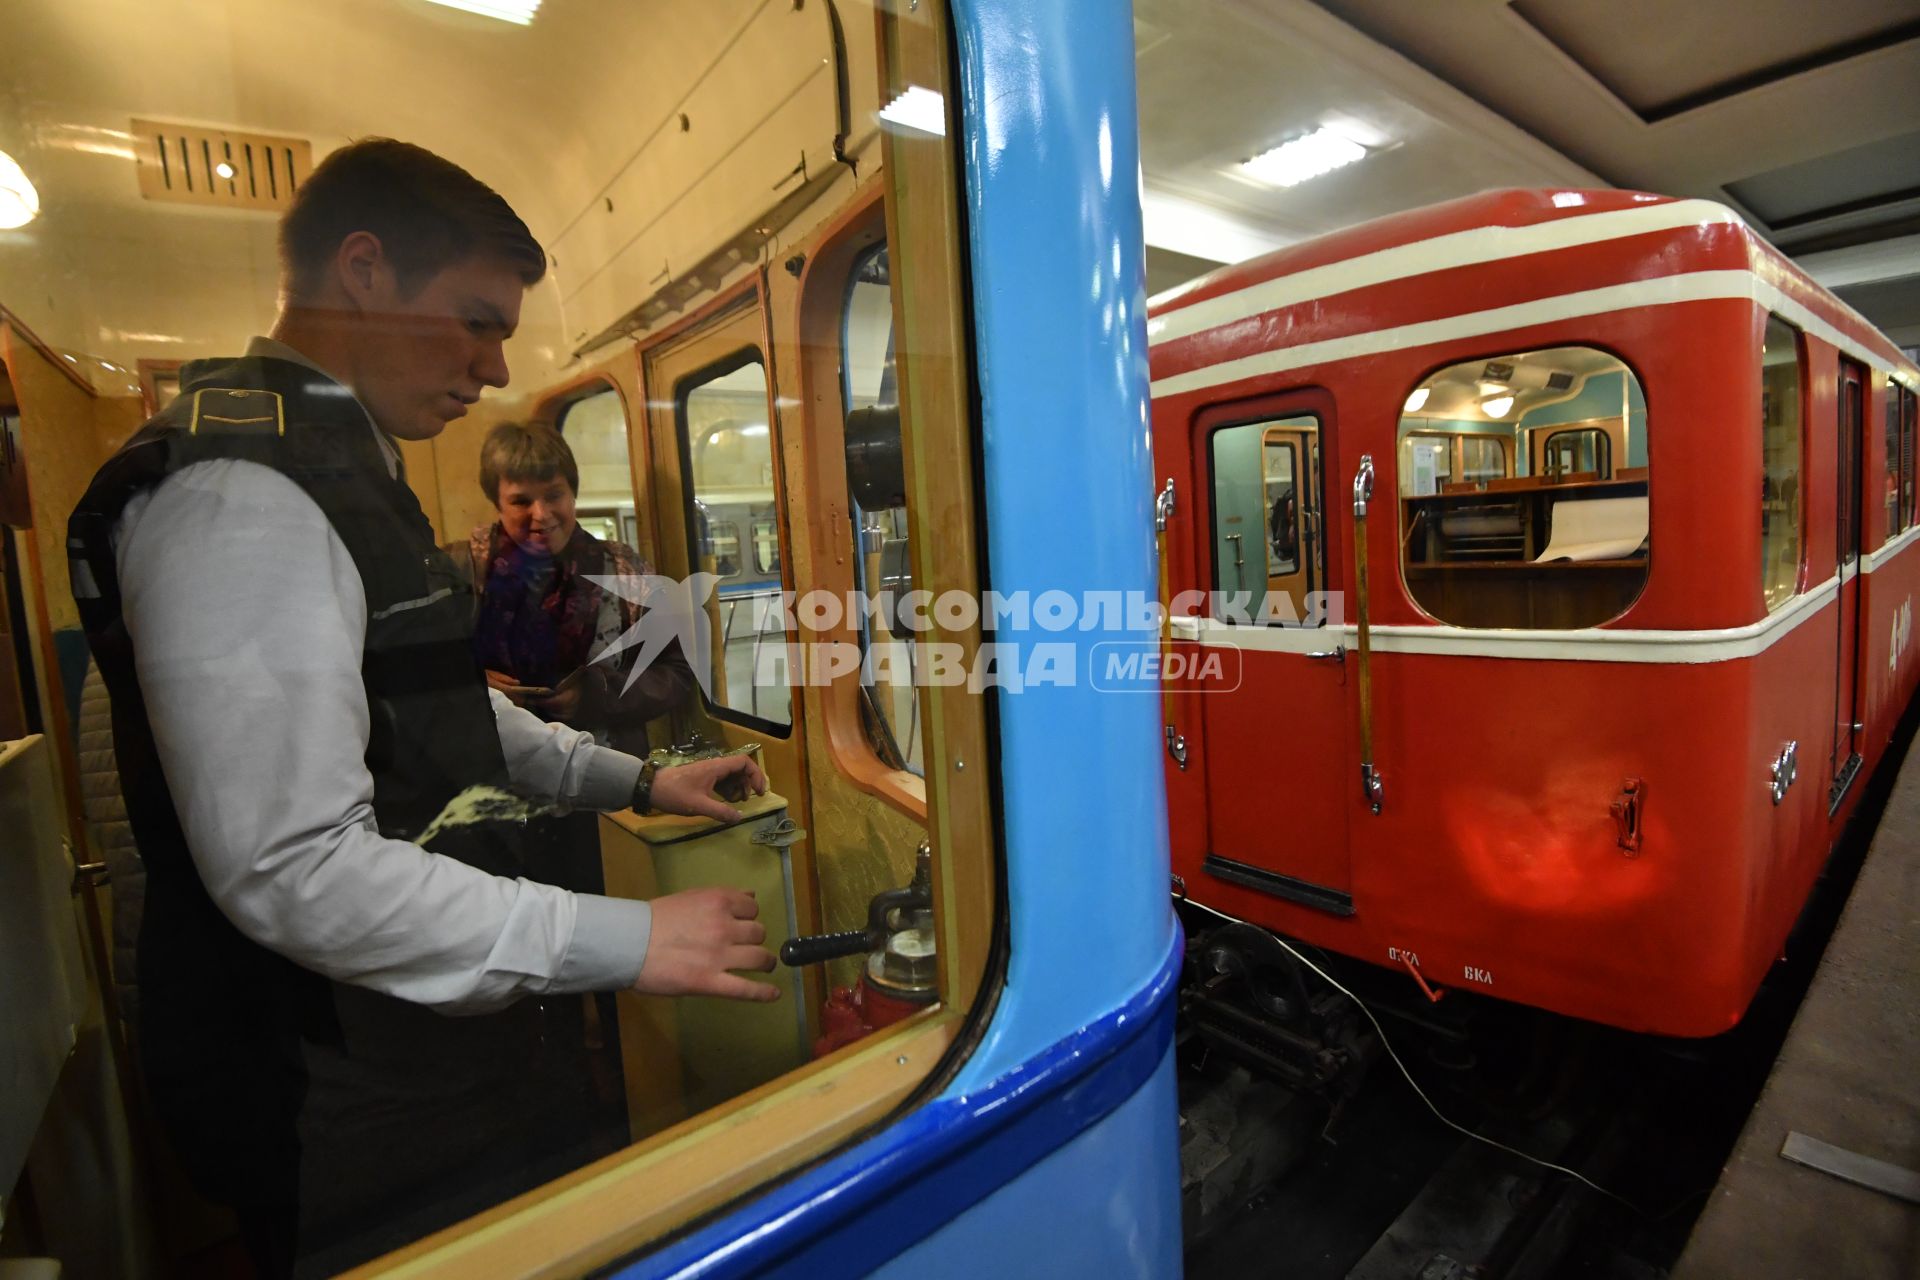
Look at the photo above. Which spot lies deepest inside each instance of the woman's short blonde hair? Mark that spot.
(526, 452)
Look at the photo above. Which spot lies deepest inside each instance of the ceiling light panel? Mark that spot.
(1292, 163)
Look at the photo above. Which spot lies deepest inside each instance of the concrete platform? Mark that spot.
(1848, 1075)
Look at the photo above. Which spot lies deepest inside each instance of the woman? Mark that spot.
(542, 620)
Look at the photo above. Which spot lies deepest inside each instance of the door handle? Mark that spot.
(1336, 654)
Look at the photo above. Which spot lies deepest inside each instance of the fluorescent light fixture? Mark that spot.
(1496, 407)
(19, 202)
(1291, 163)
(1418, 400)
(921, 110)
(518, 12)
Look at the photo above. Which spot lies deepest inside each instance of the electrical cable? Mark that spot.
(1422, 1093)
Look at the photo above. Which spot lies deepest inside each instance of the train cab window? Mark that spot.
(655, 337)
(1266, 520)
(1780, 394)
(1524, 490)
(595, 427)
(728, 460)
(1900, 460)
(877, 509)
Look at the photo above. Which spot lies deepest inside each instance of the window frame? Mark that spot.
(683, 389)
(1428, 373)
(1456, 448)
(1269, 409)
(604, 1215)
(552, 412)
(825, 283)
(1804, 397)
(1571, 429)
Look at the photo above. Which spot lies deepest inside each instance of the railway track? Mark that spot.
(1279, 1180)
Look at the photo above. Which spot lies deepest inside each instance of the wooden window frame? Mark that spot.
(736, 360)
(603, 1213)
(1456, 452)
(818, 313)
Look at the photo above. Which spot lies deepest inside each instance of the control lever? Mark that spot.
(917, 896)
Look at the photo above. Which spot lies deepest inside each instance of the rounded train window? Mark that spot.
(1523, 490)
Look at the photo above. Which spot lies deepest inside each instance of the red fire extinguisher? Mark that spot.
(899, 976)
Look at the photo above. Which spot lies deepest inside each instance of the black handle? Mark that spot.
(815, 948)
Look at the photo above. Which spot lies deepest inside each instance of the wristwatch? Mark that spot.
(643, 788)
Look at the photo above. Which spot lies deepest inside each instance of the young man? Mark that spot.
(296, 702)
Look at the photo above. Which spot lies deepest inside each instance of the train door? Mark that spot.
(1278, 774)
(716, 499)
(1851, 500)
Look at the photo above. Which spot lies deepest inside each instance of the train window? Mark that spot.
(1524, 488)
(1585, 451)
(1430, 459)
(1266, 520)
(595, 427)
(1283, 543)
(1900, 460)
(1780, 383)
(877, 509)
(728, 459)
(657, 166)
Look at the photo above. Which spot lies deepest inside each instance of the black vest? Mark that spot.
(276, 1084)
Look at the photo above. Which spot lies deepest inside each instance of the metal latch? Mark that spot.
(1626, 814)
(1163, 503)
(1177, 747)
(779, 834)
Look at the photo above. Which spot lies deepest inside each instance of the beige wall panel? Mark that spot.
(62, 451)
(114, 419)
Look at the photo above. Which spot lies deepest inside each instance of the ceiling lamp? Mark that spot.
(1321, 151)
(518, 12)
(1418, 400)
(19, 202)
(921, 110)
(1496, 407)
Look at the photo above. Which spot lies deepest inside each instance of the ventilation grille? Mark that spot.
(1559, 381)
(192, 165)
(1497, 371)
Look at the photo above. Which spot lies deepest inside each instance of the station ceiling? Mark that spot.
(1803, 117)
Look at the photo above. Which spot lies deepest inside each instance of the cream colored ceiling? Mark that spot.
(546, 114)
(1804, 116)
(1222, 80)
(1796, 106)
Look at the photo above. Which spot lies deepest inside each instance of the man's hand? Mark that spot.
(700, 936)
(688, 789)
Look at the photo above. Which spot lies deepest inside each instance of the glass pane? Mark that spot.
(1482, 458)
(877, 522)
(1780, 463)
(730, 469)
(596, 430)
(1263, 522)
(1283, 511)
(1567, 547)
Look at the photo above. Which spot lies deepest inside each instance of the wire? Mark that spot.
(1388, 1046)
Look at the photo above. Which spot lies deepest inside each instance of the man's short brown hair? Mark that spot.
(525, 452)
(428, 213)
